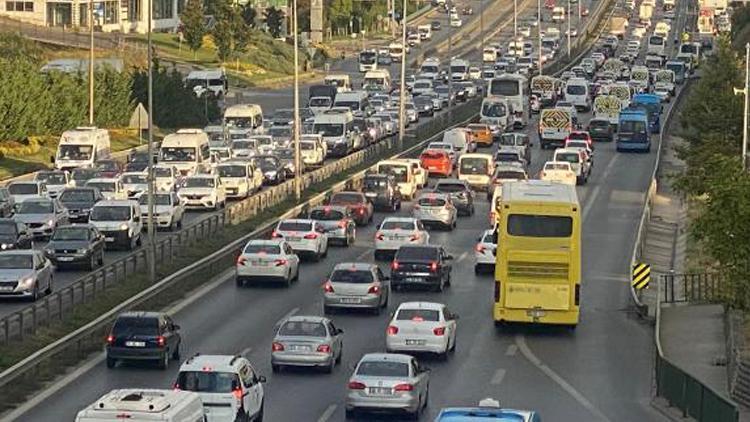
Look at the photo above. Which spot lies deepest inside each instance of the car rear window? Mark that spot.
(569, 157)
(135, 325)
(383, 369)
(420, 253)
(347, 198)
(294, 226)
(326, 215)
(450, 187)
(433, 155)
(351, 276)
(303, 328)
(261, 248)
(418, 315)
(208, 381)
(539, 225)
(599, 123)
(78, 195)
(431, 202)
(397, 225)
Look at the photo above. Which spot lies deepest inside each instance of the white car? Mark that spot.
(304, 236)
(244, 148)
(311, 153)
(240, 178)
(475, 73)
(21, 191)
(437, 209)
(55, 181)
(168, 210)
(484, 252)
(203, 191)
(165, 178)
(558, 171)
(111, 188)
(578, 162)
(422, 327)
(135, 184)
(267, 260)
(456, 21)
(228, 385)
(581, 145)
(397, 231)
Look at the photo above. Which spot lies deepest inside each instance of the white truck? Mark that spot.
(145, 405)
(187, 150)
(555, 124)
(82, 147)
(212, 81)
(425, 32)
(618, 26)
(244, 116)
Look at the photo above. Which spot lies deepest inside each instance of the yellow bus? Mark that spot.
(538, 267)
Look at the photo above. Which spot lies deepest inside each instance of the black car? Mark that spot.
(137, 161)
(382, 190)
(424, 105)
(83, 175)
(138, 336)
(601, 130)
(79, 245)
(384, 59)
(435, 26)
(14, 235)
(6, 203)
(79, 202)
(461, 194)
(270, 166)
(425, 265)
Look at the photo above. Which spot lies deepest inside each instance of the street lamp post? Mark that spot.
(481, 27)
(150, 170)
(539, 31)
(569, 27)
(402, 86)
(297, 154)
(745, 91)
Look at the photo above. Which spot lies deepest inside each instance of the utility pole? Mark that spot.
(539, 32)
(297, 154)
(150, 228)
(569, 27)
(91, 63)
(450, 77)
(402, 87)
(744, 91)
(481, 27)
(515, 20)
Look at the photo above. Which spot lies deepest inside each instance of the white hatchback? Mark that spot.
(304, 236)
(397, 231)
(422, 327)
(484, 252)
(267, 260)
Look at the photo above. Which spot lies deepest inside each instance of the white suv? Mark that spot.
(229, 387)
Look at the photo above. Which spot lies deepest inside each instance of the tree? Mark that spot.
(193, 25)
(340, 12)
(274, 18)
(225, 28)
(249, 15)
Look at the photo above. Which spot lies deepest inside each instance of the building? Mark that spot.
(109, 16)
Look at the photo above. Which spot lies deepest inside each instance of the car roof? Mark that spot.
(103, 180)
(307, 318)
(451, 182)
(25, 182)
(341, 208)
(355, 265)
(433, 194)
(403, 219)
(421, 305)
(140, 314)
(264, 242)
(297, 220)
(217, 363)
(467, 414)
(116, 203)
(386, 357)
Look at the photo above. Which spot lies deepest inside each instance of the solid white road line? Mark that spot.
(531, 357)
(497, 378)
(327, 413)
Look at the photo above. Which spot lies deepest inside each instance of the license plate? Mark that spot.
(416, 342)
(109, 239)
(298, 348)
(381, 391)
(351, 300)
(413, 279)
(135, 343)
(6, 289)
(536, 313)
(260, 263)
(65, 259)
(395, 237)
(293, 239)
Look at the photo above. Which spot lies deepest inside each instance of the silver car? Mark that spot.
(25, 273)
(337, 222)
(435, 208)
(388, 382)
(41, 215)
(309, 341)
(356, 285)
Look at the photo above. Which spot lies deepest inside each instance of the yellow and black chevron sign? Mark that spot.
(641, 275)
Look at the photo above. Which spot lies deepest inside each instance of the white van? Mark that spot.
(496, 112)
(515, 89)
(657, 45)
(459, 70)
(558, 14)
(377, 80)
(356, 101)
(82, 147)
(119, 221)
(188, 150)
(425, 32)
(459, 139)
(396, 51)
(240, 178)
(404, 174)
(342, 82)
(430, 68)
(204, 81)
(145, 405)
(489, 55)
(577, 93)
(244, 116)
(337, 128)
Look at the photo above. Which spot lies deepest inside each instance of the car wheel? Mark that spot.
(111, 362)
(325, 251)
(138, 240)
(179, 223)
(288, 279)
(35, 293)
(477, 269)
(239, 282)
(164, 361)
(349, 414)
(327, 310)
(440, 286)
(259, 415)
(316, 256)
(176, 352)
(275, 368)
(453, 345)
(100, 261)
(448, 281)
(340, 356)
(48, 291)
(92, 263)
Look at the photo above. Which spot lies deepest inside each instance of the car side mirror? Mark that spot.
(175, 326)
(449, 257)
(261, 378)
(339, 331)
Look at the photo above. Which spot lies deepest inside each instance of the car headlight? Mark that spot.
(51, 223)
(26, 282)
(123, 226)
(81, 251)
(271, 173)
(49, 251)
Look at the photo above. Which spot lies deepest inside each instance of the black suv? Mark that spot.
(6, 203)
(382, 191)
(601, 130)
(460, 192)
(14, 235)
(143, 336)
(76, 245)
(83, 175)
(79, 202)
(427, 265)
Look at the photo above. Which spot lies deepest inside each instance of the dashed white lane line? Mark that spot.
(246, 351)
(497, 378)
(546, 370)
(327, 413)
(595, 191)
(287, 315)
(462, 257)
(363, 255)
(511, 350)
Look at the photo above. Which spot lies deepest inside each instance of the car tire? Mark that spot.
(439, 287)
(48, 290)
(339, 358)
(138, 240)
(176, 353)
(329, 368)
(259, 415)
(288, 280)
(316, 256)
(34, 293)
(275, 368)
(100, 261)
(164, 361)
(327, 310)
(325, 252)
(453, 345)
(448, 281)
(111, 362)
(349, 414)
(92, 263)
(239, 282)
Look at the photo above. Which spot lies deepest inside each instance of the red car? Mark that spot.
(436, 162)
(109, 168)
(362, 210)
(581, 135)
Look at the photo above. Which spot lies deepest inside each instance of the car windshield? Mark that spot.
(434, 155)
(81, 175)
(399, 172)
(557, 166)
(110, 213)
(284, 114)
(232, 171)
(307, 146)
(508, 139)
(539, 225)
(159, 199)
(329, 129)
(630, 127)
(23, 189)
(376, 184)
(493, 109)
(284, 153)
(263, 248)
(12, 261)
(431, 201)
(510, 175)
(418, 253)
(507, 156)
(303, 328)
(51, 178)
(450, 187)
(134, 179)
(199, 182)
(267, 163)
(35, 207)
(178, 154)
(280, 131)
(295, 226)
(347, 199)
(577, 144)
(245, 144)
(569, 157)
(208, 381)
(576, 90)
(320, 102)
(599, 124)
(351, 276)
(326, 214)
(397, 225)
(164, 172)
(71, 233)
(77, 195)
(383, 369)
(418, 315)
(102, 186)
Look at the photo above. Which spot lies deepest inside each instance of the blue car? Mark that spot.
(652, 104)
(489, 410)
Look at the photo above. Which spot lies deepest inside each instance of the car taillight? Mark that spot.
(328, 287)
(479, 248)
(161, 341)
(361, 211)
(110, 339)
(498, 287)
(311, 236)
(394, 265)
(277, 347)
(324, 348)
(275, 234)
(354, 385)
(379, 236)
(433, 266)
(417, 206)
(414, 237)
(342, 224)
(176, 386)
(374, 289)
(238, 393)
(439, 331)
(241, 260)
(392, 330)
(403, 387)
(280, 262)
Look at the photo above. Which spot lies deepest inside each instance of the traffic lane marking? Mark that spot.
(330, 410)
(497, 378)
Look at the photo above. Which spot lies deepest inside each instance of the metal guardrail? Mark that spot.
(693, 288)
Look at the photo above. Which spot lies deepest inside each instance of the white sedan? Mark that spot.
(304, 236)
(168, 210)
(484, 252)
(559, 171)
(397, 231)
(422, 327)
(267, 260)
(203, 191)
